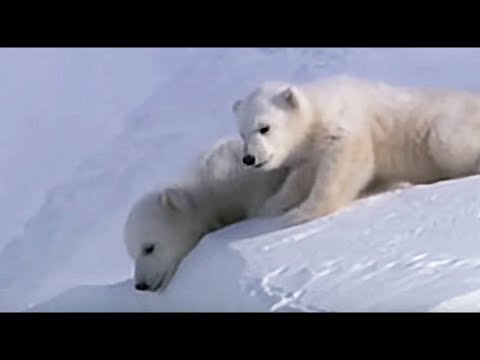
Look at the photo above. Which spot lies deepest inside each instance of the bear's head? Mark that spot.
(158, 234)
(272, 122)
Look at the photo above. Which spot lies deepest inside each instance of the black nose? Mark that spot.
(141, 286)
(249, 160)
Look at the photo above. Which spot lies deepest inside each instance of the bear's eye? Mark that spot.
(264, 129)
(148, 249)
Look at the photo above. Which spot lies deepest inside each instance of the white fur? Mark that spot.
(218, 191)
(340, 136)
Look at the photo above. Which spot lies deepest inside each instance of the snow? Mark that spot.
(87, 131)
(59, 106)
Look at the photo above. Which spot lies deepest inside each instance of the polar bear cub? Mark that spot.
(164, 226)
(341, 135)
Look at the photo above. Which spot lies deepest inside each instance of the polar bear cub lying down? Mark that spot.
(340, 136)
(164, 226)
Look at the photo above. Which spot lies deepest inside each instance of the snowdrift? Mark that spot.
(415, 249)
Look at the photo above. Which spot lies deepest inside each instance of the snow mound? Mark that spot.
(408, 250)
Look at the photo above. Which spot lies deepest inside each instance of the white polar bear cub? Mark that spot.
(342, 135)
(164, 226)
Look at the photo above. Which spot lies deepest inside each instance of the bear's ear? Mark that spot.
(236, 106)
(176, 200)
(289, 97)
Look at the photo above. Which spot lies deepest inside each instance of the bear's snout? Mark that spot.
(249, 160)
(142, 286)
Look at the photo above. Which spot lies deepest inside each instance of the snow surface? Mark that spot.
(87, 131)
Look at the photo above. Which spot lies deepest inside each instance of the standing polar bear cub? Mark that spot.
(164, 226)
(342, 135)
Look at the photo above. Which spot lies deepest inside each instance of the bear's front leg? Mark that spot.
(294, 190)
(344, 170)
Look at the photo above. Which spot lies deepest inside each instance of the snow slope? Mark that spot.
(58, 106)
(394, 252)
(419, 254)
